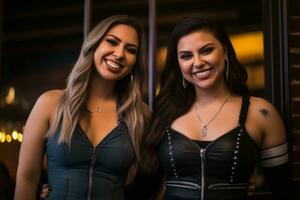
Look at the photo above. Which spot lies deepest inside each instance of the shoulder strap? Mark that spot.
(244, 109)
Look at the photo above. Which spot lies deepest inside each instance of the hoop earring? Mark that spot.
(184, 83)
(227, 69)
(131, 79)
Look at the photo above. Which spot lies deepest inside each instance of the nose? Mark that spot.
(198, 61)
(119, 53)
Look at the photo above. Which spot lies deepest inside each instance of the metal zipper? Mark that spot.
(91, 174)
(202, 155)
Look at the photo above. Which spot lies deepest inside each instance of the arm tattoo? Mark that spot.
(265, 112)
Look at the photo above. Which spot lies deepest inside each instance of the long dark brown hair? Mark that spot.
(173, 99)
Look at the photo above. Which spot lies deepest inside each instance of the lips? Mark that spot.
(202, 74)
(113, 66)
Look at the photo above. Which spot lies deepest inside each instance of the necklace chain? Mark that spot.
(205, 125)
(98, 109)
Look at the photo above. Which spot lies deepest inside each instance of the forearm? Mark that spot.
(25, 188)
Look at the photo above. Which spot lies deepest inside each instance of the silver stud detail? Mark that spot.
(171, 155)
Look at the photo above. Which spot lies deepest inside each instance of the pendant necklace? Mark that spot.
(95, 110)
(98, 110)
(205, 125)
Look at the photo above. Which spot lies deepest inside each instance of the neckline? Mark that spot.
(212, 142)
(241, 120)
(103, 139)
(202, 144)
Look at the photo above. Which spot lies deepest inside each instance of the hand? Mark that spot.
(46, 189)
(256, 181)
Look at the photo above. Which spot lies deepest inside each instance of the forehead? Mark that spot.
(125, 33)
(197, 39)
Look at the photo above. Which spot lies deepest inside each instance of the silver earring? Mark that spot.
(131, 79)
(184, 83)
(227, 69)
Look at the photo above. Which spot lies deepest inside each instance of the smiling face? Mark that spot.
(117, 52)
(201, 59)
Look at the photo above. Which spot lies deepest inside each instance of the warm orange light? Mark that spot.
(2, 137)
(14, 135)
(10, 96)
(8, 138)
(20, 137)
(255, 77)
(161, 57)
(248, 46)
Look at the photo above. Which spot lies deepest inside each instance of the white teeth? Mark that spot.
(203, 73)
(113, 64)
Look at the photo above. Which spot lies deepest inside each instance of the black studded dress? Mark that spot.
(220, 170)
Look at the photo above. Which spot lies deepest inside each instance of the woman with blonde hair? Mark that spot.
(91, 130)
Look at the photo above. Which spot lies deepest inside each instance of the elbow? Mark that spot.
(30, 177)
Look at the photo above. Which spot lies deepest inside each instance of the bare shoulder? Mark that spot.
(262, 108)
(51, 96)
(266, 118)
(47, 103)
(260, 102)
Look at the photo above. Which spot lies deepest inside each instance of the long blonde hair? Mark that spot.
(129, 95)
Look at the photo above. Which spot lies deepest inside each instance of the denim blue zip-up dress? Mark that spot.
(80, 171)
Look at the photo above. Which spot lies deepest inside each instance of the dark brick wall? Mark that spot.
(294, 59)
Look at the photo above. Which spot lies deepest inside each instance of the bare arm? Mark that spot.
(32, 148)
(272, 125)
(274, 154)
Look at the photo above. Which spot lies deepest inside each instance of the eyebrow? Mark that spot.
(119, 40)
(186, 51)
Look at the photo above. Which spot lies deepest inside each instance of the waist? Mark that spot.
(212, 186)
(190, 190)
(78, 184)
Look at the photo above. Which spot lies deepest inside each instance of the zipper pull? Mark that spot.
(202, 152)
(93, 156)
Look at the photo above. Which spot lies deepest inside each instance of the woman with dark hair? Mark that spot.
(91, 130)
(208, 133)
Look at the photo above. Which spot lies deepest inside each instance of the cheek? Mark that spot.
(96, 60)
(97, 56)
(185, 66)
(131, 60)
(216, 61)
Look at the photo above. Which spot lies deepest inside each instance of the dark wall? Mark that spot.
(294, 57)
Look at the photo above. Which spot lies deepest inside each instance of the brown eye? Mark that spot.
(132, 50)
(112, 42)
(185, 56)
(207, 50)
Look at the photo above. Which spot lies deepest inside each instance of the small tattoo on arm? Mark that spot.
(265, 112)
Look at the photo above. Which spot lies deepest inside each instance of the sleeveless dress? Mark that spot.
(80, 171)
(219, 171)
